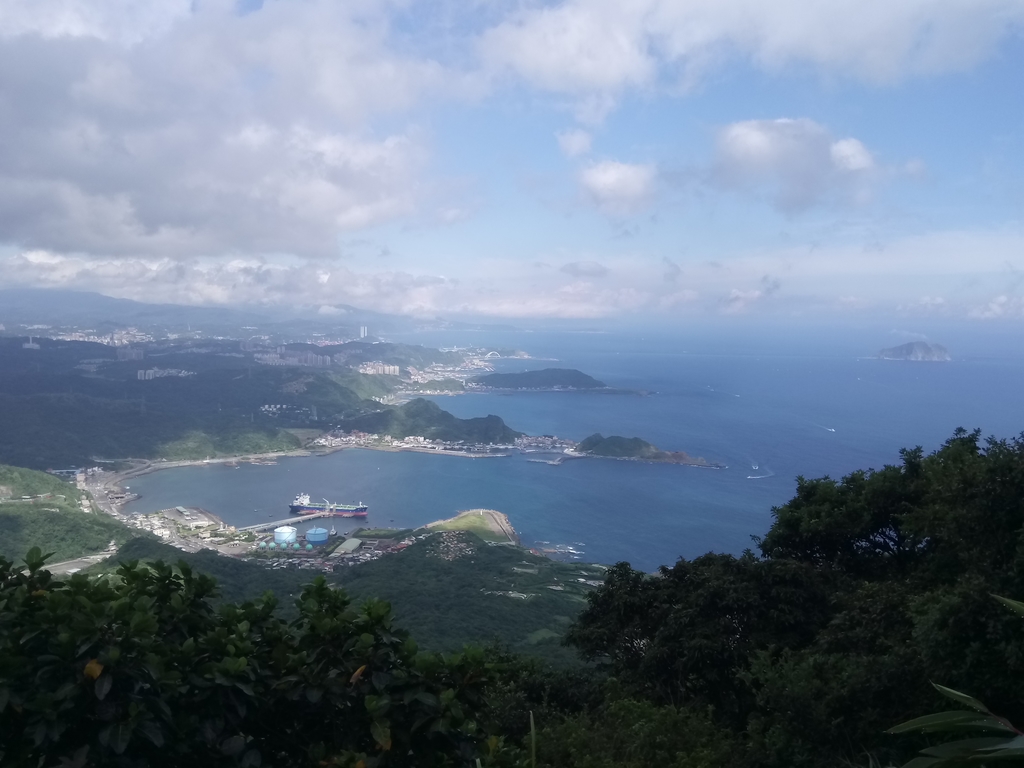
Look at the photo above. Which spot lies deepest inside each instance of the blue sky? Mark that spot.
(581, 159)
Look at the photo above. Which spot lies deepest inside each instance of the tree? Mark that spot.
(139, 669)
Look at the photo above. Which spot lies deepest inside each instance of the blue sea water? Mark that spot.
(767, 413)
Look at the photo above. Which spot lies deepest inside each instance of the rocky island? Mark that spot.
(635, 449)
(917, 351)
(547, 378)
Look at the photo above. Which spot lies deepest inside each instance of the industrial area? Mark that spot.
(279, 544)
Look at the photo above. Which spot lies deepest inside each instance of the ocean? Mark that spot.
(766, 412)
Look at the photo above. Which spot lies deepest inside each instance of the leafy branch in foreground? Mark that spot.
(139, 669)
(990, 738)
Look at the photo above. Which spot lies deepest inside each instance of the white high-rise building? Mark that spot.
(362, 332)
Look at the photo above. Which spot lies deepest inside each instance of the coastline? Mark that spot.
(115, 482)
(562, 458)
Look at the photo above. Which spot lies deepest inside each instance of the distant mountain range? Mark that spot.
(59, 307)
(917, 351)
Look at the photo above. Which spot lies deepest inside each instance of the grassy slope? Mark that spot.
(52, 524)
(478, 524)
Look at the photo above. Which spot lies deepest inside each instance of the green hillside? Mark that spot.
(16, 482)
(52, 520)
(426, 418)
(618, 447)
(54, 415)
(547, 378)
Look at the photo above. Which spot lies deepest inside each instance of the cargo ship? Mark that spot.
(301, 505)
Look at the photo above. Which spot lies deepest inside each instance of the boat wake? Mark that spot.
(760, 477)
(712, 389)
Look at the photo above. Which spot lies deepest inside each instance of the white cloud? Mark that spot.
(851, 155)
(587, 47)
(796, 162)
(220, 134)
(574, 47)
(121, 21)
(960, 274)
(999, 307)
(574, 143)
(618, 188)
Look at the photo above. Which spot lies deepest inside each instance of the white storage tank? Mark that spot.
(284, 535)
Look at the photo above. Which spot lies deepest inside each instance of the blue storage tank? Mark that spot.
(316, 536)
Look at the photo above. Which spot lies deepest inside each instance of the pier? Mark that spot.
(287, 521)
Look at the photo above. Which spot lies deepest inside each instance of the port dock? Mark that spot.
(286, 521)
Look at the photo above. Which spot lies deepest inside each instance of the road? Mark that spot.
(72, 566)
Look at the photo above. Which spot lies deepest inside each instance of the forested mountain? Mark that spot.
(68, 403)
(426, 418)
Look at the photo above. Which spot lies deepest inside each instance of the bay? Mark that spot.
(769, 416)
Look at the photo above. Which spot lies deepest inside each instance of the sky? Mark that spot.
(670, 159)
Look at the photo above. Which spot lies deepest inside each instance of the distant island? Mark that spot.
(547, 378)
(917, 351)
(617, 447)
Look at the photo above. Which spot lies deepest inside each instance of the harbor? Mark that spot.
(284, 521)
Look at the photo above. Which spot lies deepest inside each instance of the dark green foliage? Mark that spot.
(425, 418)
(237, 580)
(618, 447)
(140, 669)
(982, 738)
(53, 415)
(866, 589)
(547, 378)
(626, 733)
(442, 602)
(75, 430)
(447, 603)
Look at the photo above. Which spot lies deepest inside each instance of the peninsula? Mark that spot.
(917, 351)
(546, 378)
(635, 449)
(426, 419)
